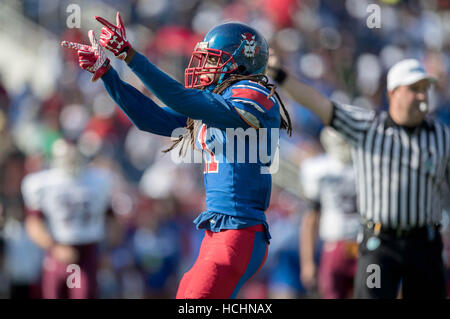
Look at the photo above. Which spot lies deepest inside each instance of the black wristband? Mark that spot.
(280, 75)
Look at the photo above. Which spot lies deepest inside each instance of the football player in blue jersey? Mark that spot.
(226, 102)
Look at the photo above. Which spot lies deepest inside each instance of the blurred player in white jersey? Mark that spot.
(67, 207)
(328, 185)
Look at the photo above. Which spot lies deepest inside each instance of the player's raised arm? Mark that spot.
(191, 103)
(208, 68)
(301, 92)
(140, 109)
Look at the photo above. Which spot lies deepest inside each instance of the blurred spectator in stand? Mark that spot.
(282, 271)
(157, 239)
(23, 278)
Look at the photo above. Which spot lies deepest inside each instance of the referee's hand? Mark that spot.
(274, 64)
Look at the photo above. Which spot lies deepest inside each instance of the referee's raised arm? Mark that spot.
(301, 92)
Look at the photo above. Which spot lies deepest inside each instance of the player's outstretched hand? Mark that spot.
(114, 37)
(92, 58)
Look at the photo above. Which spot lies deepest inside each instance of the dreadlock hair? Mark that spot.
(193, 125)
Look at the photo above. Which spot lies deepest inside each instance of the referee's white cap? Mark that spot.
(407, 72)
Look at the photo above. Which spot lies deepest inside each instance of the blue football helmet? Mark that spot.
(232, 47)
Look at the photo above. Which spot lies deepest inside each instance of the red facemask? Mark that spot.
(205, 64)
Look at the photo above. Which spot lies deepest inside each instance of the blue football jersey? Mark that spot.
(237, 160)
(238, 133)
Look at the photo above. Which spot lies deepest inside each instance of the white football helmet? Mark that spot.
(67, 157)
(335, 145)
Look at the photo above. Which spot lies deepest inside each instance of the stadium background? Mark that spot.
(44, 95)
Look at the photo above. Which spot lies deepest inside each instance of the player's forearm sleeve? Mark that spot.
(195, 104)
(141, 110)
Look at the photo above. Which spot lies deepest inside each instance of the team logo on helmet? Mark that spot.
(250, 49)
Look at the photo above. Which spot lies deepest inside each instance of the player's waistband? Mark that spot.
(255, 228)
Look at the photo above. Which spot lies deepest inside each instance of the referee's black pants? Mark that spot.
(387, 260)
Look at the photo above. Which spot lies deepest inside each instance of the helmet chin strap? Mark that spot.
(210, 87)
(222, 77)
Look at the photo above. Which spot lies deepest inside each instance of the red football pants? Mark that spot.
(337, 269)
(227, 259)
(55, 275)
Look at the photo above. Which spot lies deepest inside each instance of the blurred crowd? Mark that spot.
(325, 43)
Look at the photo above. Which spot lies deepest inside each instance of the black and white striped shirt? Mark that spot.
(400, 172)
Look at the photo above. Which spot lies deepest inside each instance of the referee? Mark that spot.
(402, 160)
